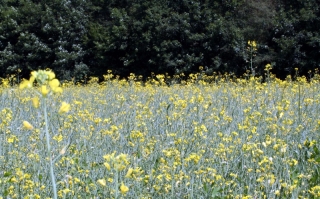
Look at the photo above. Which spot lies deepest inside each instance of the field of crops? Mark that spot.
(206, 137)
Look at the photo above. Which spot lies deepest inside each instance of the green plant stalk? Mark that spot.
(251, 59)
(54, 186)
(299, 103)
(117, 185)
(172, 182)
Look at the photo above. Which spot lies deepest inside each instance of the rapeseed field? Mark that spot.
(203, 137)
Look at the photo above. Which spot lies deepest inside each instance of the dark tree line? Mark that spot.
(76, 38)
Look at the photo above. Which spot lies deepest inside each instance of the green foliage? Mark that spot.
(45, 34)
(77, 38)
(296, 36)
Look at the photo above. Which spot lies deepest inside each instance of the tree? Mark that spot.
(296, 38)
(45, 34)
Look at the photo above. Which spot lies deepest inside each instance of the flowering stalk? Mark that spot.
(53, 178)
(48, 85)
(252, 50)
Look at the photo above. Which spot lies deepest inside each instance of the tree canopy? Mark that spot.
(76, 38)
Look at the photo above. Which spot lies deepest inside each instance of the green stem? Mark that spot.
(117, 185)
(49, 151)
(251, 61)
(299, 103)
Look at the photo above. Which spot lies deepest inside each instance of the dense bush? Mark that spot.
(77, 38)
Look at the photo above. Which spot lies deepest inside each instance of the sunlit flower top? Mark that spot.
(252, 44)
(44, 78)
(124, 189)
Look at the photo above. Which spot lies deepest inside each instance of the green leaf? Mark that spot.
(5, 193)
(40, 177)
(215, 192)
(168, 107)
(205, 187)
(7, 174)
(316, 150)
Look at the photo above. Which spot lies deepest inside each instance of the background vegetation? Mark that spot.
(76, 38)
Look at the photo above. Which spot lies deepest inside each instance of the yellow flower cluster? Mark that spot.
(44, 78)
(252, 44)
(119, 162)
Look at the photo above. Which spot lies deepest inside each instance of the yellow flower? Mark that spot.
(27, 125)
(254, 44)
(129, 173)
(34, 74)
(315, 191)
(64, 108)
(102, 182)
(57, 90)
(107, 165)
(268, 67)
(58, 138)
(124, 189)
(50, 74)
(10, 139)
(44, 90)
(25, 84)
(54, 84)
(31, 80)
(66, 191)
(35, 102)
